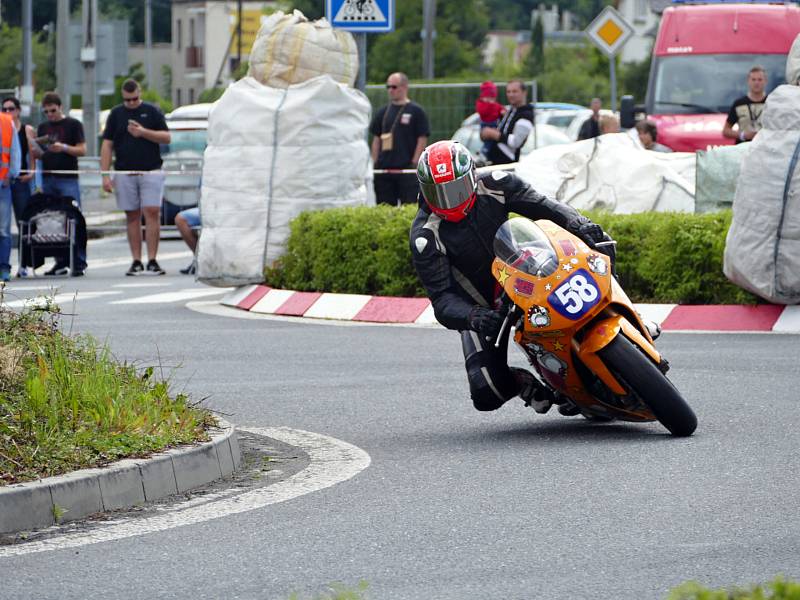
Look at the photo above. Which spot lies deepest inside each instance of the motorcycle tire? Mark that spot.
(636, 372)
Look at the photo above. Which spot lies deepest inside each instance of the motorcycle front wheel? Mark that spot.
(637, 373)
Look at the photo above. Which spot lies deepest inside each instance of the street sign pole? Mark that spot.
(360, 17)
(89, 60)
(609, 31)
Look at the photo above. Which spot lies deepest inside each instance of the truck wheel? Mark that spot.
(637, 373)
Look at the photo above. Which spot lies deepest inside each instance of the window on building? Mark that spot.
(191, 32)
(178, 97)
(191, 95)
(640, 10)
(178, 31)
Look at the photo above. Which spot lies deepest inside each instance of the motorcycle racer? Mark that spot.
(451, 242)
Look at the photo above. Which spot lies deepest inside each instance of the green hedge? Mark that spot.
(661, 257)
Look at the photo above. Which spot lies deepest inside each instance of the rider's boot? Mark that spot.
(532, 392)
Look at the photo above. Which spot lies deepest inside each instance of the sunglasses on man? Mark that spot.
(134, 99)
(9, 108)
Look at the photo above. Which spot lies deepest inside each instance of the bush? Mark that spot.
(779, 589)
(661, 257)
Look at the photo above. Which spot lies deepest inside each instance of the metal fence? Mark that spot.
(446, 104)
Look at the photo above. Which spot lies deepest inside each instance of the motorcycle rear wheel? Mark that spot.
(637, 373)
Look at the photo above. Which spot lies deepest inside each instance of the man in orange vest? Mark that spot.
(10, 160)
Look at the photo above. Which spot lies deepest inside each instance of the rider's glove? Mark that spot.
(485, 321)
(591, 233)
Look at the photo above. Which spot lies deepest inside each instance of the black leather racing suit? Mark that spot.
(453, 261)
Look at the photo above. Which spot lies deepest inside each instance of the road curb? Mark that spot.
(383, 309)
(123, 484)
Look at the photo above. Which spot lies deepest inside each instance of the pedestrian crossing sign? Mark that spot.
(361, 16)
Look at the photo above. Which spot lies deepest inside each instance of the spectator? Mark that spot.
(10, 155)
(608, 124)
(512, 131)
(133, 132)
(59, 143)
(648, 134)
(489, 110)
(400, 132)
(746, 111)
(188, 221)
(591, 126)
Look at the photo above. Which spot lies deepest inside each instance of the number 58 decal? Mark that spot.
(576, 296)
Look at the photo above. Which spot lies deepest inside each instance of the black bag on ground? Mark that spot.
(46, 233)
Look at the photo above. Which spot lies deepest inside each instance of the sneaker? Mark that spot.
(5, 276)
(57, 270)
(191, 269)
(136, 268)
(76, 273)
(24, 272)
(153, 268)
(532, 392)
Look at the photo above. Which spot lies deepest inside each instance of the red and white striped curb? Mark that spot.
(383, 309)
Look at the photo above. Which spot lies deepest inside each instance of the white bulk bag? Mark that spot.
(614, 173)
(271, 154)
(290, 49)
(762, 250)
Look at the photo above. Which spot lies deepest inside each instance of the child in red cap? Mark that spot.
(488, 109)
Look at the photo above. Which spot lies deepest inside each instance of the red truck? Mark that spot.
(701, 58)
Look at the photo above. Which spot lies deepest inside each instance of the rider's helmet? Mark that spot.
(447, 179)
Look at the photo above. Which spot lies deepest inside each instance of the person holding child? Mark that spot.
(489, 110)
(514, 127)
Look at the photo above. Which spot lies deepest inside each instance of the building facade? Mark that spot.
(205, 47)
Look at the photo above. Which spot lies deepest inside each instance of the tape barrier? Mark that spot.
(508, 167)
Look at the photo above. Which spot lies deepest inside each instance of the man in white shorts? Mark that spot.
(134, 131)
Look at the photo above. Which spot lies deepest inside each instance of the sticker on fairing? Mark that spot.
(576, 296)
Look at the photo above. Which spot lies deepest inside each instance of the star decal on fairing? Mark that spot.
(567, 267)
(503, 275)
(558, 346)
(548, 287)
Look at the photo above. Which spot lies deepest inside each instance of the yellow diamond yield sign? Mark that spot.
(609, 31)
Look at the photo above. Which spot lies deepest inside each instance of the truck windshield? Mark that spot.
(707, 83)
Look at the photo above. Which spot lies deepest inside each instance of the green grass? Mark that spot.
(67, 404)
(777, 589)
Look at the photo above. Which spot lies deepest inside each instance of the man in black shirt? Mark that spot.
(59, 142)
(746, 111)
(591, 126)
(400, 133)
(134, 131)
(514, 127)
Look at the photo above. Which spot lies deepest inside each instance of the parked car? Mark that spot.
(189, 128)
(544, 134)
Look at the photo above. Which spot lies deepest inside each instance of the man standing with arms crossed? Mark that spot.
(134, 130)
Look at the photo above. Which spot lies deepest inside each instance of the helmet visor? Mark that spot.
(450, 194)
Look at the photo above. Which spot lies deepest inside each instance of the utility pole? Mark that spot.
(148, 42)
(26, 91)
(89, 60)
(428, 36)
(238, 34)
(62, 50)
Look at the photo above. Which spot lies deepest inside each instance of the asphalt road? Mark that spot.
(455, 504)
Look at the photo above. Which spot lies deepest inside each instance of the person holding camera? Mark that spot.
(134, 131)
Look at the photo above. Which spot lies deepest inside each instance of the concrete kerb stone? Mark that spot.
(126, 483)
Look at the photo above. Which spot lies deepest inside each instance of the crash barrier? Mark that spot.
(661, 257)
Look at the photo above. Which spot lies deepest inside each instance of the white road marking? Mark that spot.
(59, 299)
(164, 297)
(106, 263)
(332, 461)
(139, 285)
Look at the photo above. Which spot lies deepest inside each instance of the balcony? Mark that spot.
(194, 57)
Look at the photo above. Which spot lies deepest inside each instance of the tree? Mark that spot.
(11, 51)
(461, 26)
(313, 9)
(534, 62)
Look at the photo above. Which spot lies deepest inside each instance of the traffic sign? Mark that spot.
(609, 31)
(361, 16)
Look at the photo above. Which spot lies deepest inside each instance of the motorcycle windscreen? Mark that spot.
(521, 244)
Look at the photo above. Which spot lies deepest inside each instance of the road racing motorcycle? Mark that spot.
(579, 330)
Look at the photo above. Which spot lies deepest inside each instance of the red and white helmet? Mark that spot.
(447, 179)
